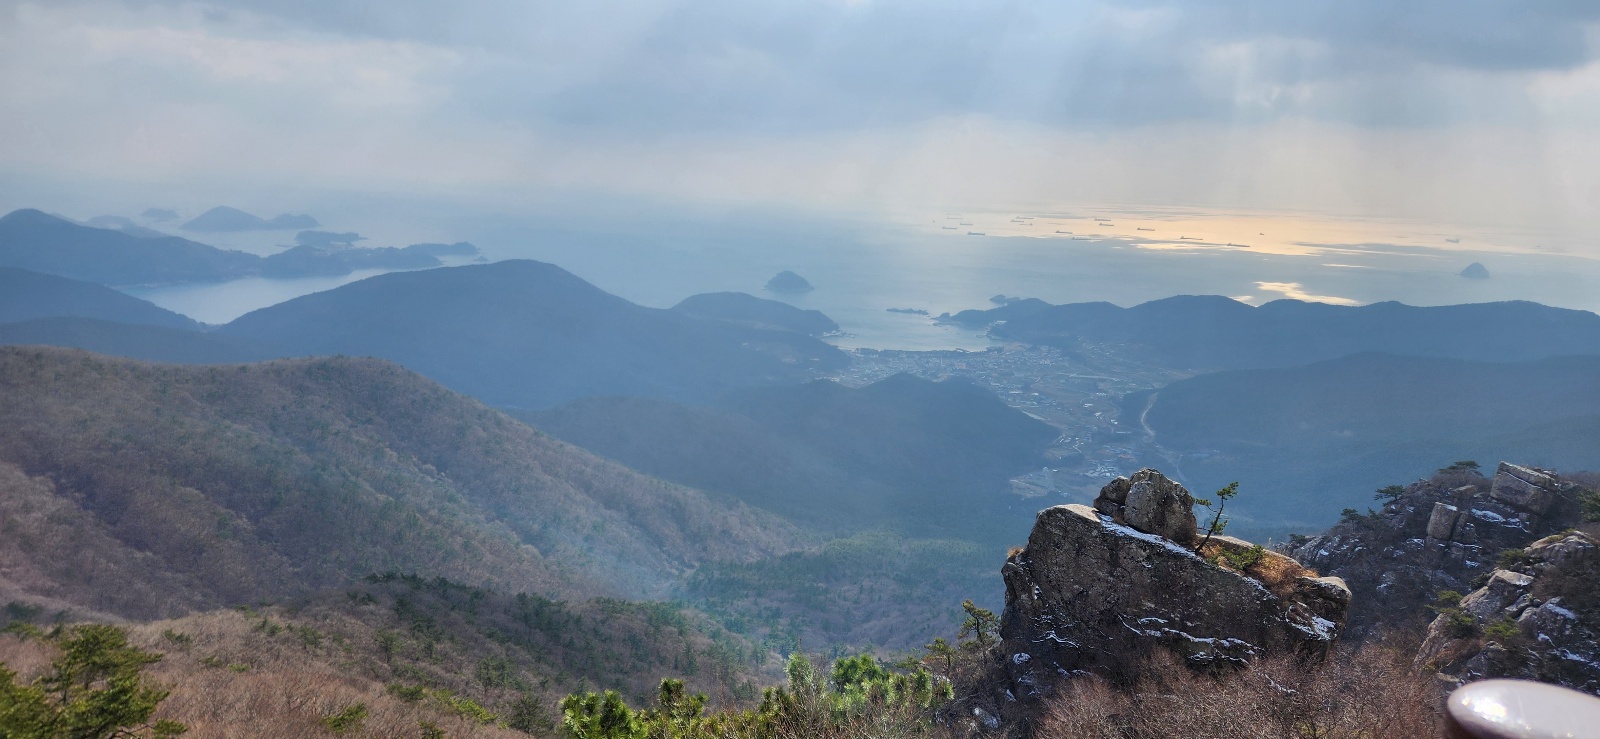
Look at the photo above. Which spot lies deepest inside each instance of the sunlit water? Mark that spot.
(937, 262)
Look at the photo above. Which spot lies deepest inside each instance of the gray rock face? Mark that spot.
(1151, 503)
(1442, 522)
(1537, 621)
(1441, 534)
(1523, 488)
(1091, 594)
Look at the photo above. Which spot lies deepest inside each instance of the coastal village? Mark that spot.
(1078, 392)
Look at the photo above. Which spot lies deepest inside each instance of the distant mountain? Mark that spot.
(26, 295)
(748, 310)
(37, 241)
(305, 260)
(1213, 332)
(789, 282)
(146, 490)
(125, 225)
(149, 343)
(223, 219)
(531, 335)
(1306, 442)
(926, 458)
(40, 242)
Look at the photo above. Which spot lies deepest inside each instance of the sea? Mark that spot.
(952, 259)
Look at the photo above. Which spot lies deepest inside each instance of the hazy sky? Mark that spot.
(1467, 110)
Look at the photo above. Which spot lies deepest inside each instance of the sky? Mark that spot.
(1460, 111)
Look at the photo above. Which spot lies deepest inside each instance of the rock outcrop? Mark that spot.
(1436, 535)
(1098, 589)
(1537, 618)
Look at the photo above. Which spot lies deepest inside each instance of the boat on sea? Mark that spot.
(976, 233)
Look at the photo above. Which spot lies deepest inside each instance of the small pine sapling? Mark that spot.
(1218, 523)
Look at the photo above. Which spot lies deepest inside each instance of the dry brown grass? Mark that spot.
(1276, 571)
(1367, 694)
(230, 680)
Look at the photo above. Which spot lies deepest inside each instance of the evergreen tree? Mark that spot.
(94, 689)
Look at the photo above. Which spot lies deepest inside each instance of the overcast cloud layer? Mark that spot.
(1457, 109)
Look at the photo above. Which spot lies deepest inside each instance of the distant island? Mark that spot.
(1475, 271)
(222, 218)
(789, 282)
(1004, 299)
(912, 311)
(124, 253)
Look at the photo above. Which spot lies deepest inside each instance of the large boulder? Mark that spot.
(1525, 488)
(1090, 594)
(1538, 618)
(1151, 503)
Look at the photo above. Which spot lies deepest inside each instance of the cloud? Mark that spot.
(1435, 108)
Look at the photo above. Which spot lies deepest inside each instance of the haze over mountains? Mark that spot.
(34, 240)
(26, 295)
(1209, 332)
(1313, 440)
(531, 335)
(224, 218)
(924, 458)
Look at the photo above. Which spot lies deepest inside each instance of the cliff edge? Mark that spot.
(1097, 590)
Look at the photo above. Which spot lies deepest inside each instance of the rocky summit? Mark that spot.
(1537, 618)
(1440, 534)
(1097, 590)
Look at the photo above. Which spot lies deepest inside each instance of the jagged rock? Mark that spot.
(1524, 488)
(1537, 621)
(1091, 594)
(1441, 534)
(1443, 521)
(1151, 503)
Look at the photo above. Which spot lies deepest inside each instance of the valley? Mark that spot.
(466, 493)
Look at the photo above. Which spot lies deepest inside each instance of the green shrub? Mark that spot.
(1513, 559)
(349, 719)
(1244, 560)
(1504, 631)
(407, 693)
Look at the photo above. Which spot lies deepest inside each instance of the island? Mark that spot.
(789, 282)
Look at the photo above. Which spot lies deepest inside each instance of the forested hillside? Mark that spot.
(1316, 439)
(921, 457)
(148, 490)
